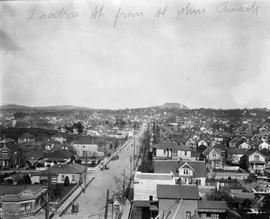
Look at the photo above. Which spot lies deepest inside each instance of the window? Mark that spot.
(185, 171)
(185, 153)
(215, 216)
(256, 157)
(73, 178)
(25, 206)
(188, 215)
(63, 178)
(164, 152)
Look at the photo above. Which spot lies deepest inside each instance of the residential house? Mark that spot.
(185, 153)
(235, 142)
(234, 155)
(52, 145)
(229, 173)
(5, 156)
(202, 142)
(192, 143)
(32, 157)
(184, 172)
(26, 138)
(166, 150)
(244, 145)
(177, 201)
(255, 161)
(86, 149)
(213, 158)
(192, 173)
(264, 145)
(22, 201)
(59, 138)
(59, 172)
(58, 157)
(9, 154)
(208, 209)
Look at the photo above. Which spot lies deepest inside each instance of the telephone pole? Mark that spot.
(106, 206)
(47, 211)
(85, 174)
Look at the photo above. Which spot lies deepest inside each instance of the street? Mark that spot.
(92, 203)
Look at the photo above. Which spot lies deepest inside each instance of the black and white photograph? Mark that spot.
(134, 109)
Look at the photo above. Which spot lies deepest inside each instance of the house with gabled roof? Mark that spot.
(22, 201)
(256, 161)
(244, 145)
(185, 172)
(59, 172)
(212, 209)
(213, 157)
(192, 173)
(191, 143)
(264, 145)
(26, 138)
(234, 155)
(166, 150)
(178, 200)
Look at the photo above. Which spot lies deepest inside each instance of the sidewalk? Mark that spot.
(71, 199)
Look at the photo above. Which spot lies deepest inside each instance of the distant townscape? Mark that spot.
(160, 162)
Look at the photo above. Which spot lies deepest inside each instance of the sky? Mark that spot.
(128, 57)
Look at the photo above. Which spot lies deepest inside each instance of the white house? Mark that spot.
(244, 145)
(202, 142)
(166, 150)
(192, 173)
(184, 153)
(256, 161)
(84, 147)
(264, 145)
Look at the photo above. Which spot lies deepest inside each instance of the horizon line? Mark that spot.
(188, 108)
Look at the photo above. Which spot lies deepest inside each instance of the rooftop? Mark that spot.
(178, 192)
(208, 204)
(153, 176)
(65, 169)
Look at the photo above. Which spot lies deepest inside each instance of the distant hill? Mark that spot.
(173, 106)
(21, 108)
(15, 107)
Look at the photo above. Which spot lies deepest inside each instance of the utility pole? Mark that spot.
(47, 212)
(134, 153)
(85, 174)
(130, 160)
(106, 206)
(124, 182)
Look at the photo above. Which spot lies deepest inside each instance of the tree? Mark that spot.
(251, 178)
(57, 190)
(27, 179)
(266, 204)
(79, 127)
(66, 182)
(121, 189)
(243, 162)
